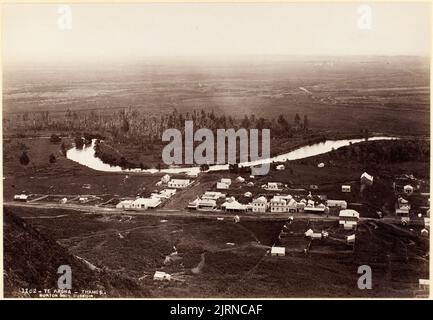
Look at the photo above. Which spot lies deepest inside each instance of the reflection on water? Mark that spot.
(86, 157)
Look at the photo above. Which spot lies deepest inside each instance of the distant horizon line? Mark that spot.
(198, 58)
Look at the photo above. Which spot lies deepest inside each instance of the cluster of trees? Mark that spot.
(108, 156)
(141, 128)
(234, 168)
(55, 138)
(25, 159)
(385, 151)
(130, 126)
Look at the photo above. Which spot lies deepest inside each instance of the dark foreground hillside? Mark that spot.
(31, 260)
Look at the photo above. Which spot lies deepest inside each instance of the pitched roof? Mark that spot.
(278, 250)
(348, 213)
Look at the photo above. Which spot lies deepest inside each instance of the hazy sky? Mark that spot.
(101, 32)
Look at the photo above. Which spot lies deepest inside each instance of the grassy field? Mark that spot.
(64, 176)
(210, 258)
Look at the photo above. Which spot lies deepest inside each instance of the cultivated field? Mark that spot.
(344, 94)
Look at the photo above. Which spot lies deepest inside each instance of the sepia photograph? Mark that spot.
(221, 150)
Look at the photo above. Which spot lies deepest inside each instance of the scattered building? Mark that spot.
(164, 194)
(348, 218)
(165, 178)
(350, 240)
(281, 167)
(405, 221)
(366, 179)
(309, 233)
(192, 174)
(278, 251)
(168, 193)
(321, 165)
(240, 179)
(316, 236)
(408, 189)
(63, 200)
(424, 284)
(179, 183)
(260, 204)
(222, 185)
(234, 206)
(248, 194)
(278, 204)
(124, 204)
(227, 181)
(213, 195)
(283, 204)
(193, 204)
(146, 203)
(402, 207)
(83, 199)
(300, 206)
(161, 276)
(402, 211)
(273, 186)
(312, 209)
(340, 204)
(206, 205)
(345, 188)
(21, 197)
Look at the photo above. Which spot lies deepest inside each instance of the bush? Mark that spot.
(55, 138)
(52, 158)
(79, 143)
(24, 159)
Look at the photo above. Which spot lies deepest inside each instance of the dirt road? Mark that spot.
(182, 213)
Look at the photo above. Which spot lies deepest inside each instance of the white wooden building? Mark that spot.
(179, 183)
(366, 179)
(260, 204)
(124, 204)
(161, 276)
(348, 219)
(146, 203)
(341, 204)
(346, 188)
(278, 251)
(222, 186)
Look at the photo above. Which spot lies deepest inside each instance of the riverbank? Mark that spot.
(87, 156)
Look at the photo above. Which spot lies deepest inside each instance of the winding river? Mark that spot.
(86, 157)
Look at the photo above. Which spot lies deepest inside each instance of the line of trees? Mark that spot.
(141, 128)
